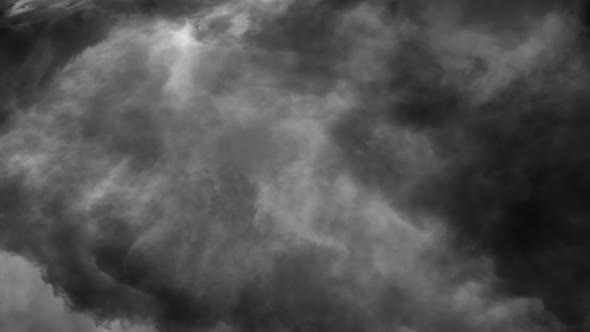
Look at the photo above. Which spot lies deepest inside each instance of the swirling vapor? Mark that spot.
(284, 165)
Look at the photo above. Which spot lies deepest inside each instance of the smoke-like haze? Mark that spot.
(294, 165)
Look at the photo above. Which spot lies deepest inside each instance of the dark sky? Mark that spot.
(285, 165)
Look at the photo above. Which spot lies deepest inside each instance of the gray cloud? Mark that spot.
(271, 165)
(29, 304)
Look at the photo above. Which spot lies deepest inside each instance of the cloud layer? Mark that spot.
(274, 165)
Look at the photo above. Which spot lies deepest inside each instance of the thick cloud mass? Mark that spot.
(284, 165)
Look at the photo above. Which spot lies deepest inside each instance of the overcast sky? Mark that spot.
(286, 165)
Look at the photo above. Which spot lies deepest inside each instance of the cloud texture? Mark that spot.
(282, 165)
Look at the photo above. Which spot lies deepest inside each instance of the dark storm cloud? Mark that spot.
(271, 165)
(512, 179)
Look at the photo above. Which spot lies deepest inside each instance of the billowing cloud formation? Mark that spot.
(274, 165)
(28, 304)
